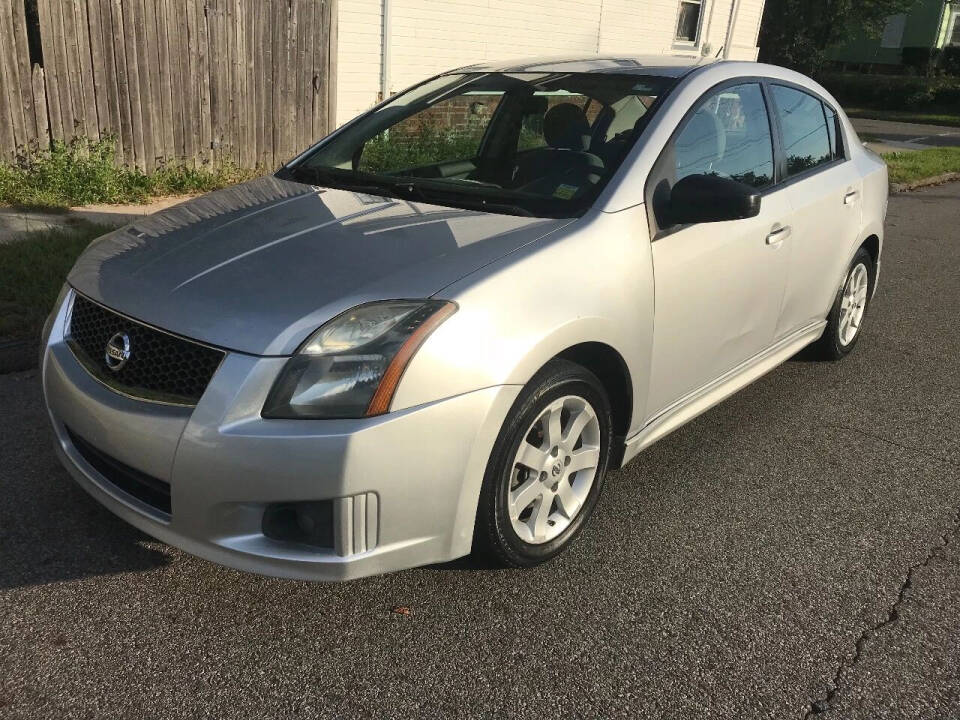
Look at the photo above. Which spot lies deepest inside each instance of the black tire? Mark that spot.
(494, 532)
(830, 346)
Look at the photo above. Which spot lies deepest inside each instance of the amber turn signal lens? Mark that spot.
(380, 403)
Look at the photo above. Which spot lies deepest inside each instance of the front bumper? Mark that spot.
(404, 485)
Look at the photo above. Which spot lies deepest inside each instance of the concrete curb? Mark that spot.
(20, 354)
(926, 182)
(14, 222)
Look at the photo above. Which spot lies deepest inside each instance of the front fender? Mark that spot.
(591, 282)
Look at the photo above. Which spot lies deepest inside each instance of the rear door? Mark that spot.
(718, 286)
(825, 191)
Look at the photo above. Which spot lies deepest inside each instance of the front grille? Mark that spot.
(161, 367)
(145, 488)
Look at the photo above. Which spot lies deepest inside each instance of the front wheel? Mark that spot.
(847, 315)
(547, 467)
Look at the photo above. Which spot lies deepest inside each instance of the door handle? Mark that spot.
(778, 235)
(850, 197)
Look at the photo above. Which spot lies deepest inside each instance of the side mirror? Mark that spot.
(710, 198)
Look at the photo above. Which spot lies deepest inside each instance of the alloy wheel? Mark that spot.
(554, 469)
(853, 303)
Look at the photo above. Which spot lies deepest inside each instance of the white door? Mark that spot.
(718, 286)
(825, 192)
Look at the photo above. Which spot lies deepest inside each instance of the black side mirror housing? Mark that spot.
(711, 198)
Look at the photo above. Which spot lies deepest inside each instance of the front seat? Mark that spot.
(565, 160)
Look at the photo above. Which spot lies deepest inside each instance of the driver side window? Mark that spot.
(728, 135)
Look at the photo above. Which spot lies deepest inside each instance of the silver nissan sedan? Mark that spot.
(438, 329)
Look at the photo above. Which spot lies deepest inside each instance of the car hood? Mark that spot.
(259, 266)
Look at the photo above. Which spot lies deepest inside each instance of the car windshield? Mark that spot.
(536, 144)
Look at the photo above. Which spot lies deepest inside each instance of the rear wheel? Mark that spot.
(547, 467)
(848, 313)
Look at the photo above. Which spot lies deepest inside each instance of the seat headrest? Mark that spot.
(566, 126)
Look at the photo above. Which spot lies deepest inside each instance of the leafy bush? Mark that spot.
(893, 92)
(950, 60)
(921, 59)
(401, 149)
(84, 171)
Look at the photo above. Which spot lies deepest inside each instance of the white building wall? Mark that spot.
(430, 36)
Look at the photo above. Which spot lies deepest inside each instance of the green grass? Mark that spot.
(950, 119)
(913, 166)
(84, 172)
(32, 271)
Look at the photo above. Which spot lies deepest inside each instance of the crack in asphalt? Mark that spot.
(909, 448)
(848, 663)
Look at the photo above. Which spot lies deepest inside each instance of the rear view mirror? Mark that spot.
(710, 198)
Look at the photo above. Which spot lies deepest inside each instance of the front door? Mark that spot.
(718, 286)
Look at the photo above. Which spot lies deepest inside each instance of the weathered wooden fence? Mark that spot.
(249, 82)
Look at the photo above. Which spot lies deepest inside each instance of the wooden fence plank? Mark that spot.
(71, 69)
(321, 59)
(290, 82)
(10, 106)
(171, 79)
(305, 75)
(152, 52)
(328, 44)
(111, 98)
(182, 36)
(87, 87)
(98, 67)
(12, 115)
(214, 55)
(171, 9)
(188, 76)
(124, 104)
(40, 107)
(238, 52)
(147, 107)
(263, 73)
(51, 92)
(166, 88)
(192, 141)
(55, 66)
(204, 123)
(127, 13)
(24, 74)
(276, 89)
(249, 156)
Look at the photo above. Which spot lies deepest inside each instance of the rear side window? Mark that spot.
(833, 127)
(807, 140)
(728, 135)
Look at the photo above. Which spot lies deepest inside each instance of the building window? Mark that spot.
(953, 29)
(688, 22)
(893, 31)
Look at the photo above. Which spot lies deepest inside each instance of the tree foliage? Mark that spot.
(796, 33)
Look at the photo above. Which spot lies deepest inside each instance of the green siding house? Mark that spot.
(931, 24)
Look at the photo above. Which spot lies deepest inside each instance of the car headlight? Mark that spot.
(351, 366)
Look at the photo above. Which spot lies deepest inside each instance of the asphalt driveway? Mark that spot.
(794, 550)
(907, 135)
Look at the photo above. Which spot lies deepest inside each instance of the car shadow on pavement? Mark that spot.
(59, 533)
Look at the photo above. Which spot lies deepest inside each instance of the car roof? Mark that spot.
(675, 66)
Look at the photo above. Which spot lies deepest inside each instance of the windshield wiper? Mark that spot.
(473, 197)
(319, 176)
(470, 196)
